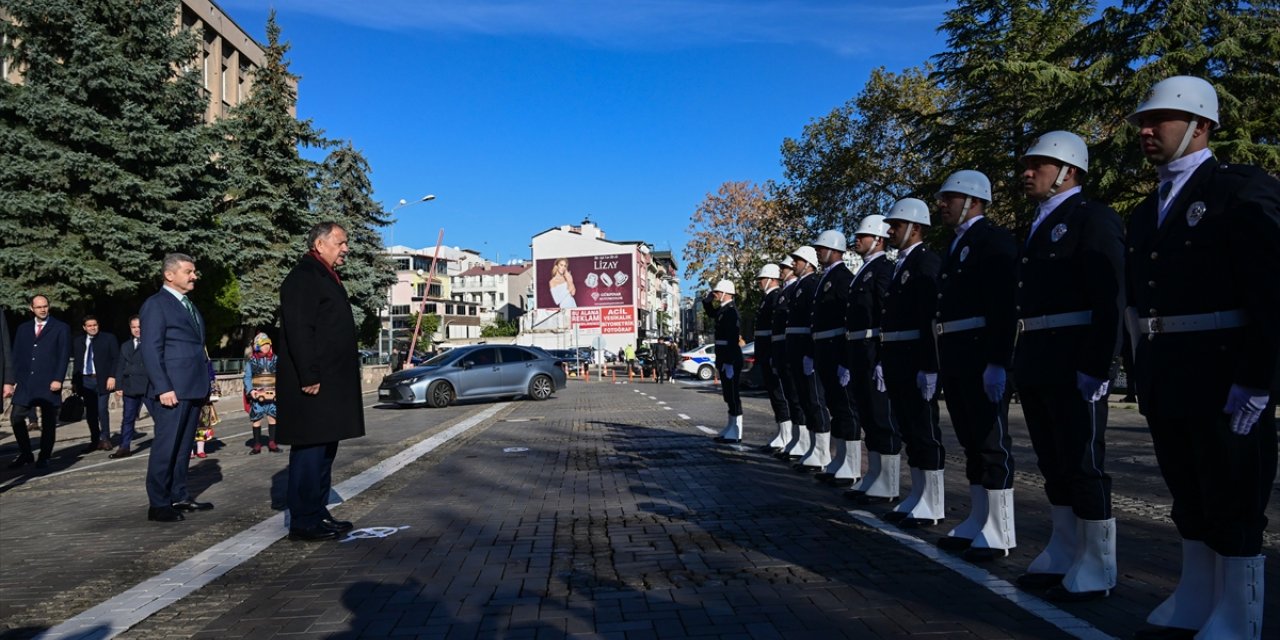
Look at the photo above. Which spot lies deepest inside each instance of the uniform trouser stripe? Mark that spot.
(1069, 438)
(729, 389)
(881, 432)
(918, 421)
(839, 402)
(810, 392)
(983, 431)
(773, 385)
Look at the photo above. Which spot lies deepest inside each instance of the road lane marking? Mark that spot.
(118, 614)
(1069, 624)
(706, 430)
(684, 416)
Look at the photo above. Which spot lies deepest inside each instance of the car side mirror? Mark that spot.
(466, 364)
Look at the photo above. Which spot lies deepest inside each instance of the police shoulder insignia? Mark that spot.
(964, 253)
(1195, 213)
(1058, 232)
(905, 274)
(826, 287)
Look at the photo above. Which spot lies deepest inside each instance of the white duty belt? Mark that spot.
(722, 343)
(778, 337)
(1055, 321)
(763, 333)
(900, 336)
(1194, 322)
(861, 334)
(829, 334)
(798, 331)
(956, 326)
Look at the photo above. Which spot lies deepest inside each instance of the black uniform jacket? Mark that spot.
(866, 301)
(728, 331)
(1218, 250)
(909, 305)
(831, 306)
(800, 314)
(978, 279)
(1074, 262)
(764, 324)
(781, 312)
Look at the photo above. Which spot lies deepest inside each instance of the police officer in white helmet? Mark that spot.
(1069, 308)
(796, 434)
(862, 353)
(1203, 254)
(728, 349)
(975, 328)
(843, 466)
(769, 280)
(800, 354)
(910, 364)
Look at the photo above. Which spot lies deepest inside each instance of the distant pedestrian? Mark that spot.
(660, 350)
(629, 353)
(318, 380)
(131, 387)
(95, 355)
(673, 358)
(41, 350)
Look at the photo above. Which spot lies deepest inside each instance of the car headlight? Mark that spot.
(411, 381)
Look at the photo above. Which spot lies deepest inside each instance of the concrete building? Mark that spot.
(416, 290)
(501, 291)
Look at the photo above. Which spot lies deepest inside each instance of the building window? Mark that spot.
(435, 290)
(448, 309)
(471, 311)
(400, 310)
(431, 307)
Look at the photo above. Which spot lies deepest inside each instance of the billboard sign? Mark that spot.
(605, 320)
(584, 281)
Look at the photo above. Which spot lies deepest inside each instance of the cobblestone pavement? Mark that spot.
(604, 512)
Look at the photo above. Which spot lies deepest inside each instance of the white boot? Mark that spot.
(913, 497)
(820, 453)
(885, 483)
(837, 459)
(851, 469)
(1237, 606)
(804, 444)
(931, 508)
(780, 440)
(998, 534)
(873, 470)
(728, 428)
(793, 440)
(1093, 569)
(1188, 606)
(1063, 545)
(733, 432)
(969, 528)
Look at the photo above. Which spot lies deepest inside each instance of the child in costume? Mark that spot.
(260, 392)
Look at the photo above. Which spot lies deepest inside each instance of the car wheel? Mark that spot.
(706, 372)
(440, 394)
(541, 388)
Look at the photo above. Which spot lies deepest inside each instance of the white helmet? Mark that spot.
(968, 182)
(911, 210)
(831, 239)
(769, 271)
(1181, 93)
(807, 254)
(786, 262)
(874, 225)
(1063, 146)
(726, 286)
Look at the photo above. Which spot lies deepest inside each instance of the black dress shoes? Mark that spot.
(191, 505)
(312, 534)
(120, 453)
(341, 526)
(1040, 580)
(22, 461)
(952, 543)
(42, 463)
(164, 514)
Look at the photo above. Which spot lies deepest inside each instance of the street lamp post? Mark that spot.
(391, 234)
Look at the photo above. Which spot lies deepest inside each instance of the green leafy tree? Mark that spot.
(500, 329)
(346, 196)
(106, 161)
(271, 188)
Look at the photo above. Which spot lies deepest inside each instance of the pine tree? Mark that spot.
(346, 196)
(271, 188)
(106, 159)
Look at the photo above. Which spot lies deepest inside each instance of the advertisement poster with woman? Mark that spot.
(584, 281)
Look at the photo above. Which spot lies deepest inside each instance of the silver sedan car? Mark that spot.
(476, 371)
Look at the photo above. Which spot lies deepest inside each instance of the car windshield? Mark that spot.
(443, 358)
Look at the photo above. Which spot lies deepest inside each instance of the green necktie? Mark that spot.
(191, 309)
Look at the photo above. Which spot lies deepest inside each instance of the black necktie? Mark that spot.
(88, 358)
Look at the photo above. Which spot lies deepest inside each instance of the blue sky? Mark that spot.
(521, 115)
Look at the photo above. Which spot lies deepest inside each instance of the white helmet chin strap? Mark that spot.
(964, 212)
(1186, 138)
(1062, 177)
(906, 236)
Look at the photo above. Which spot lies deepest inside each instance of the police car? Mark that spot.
(701, 362)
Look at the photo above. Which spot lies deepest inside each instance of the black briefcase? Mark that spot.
(72, 410)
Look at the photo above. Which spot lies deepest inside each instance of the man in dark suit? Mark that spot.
(178, 382)
(41, 350)
(93, 370)
(318, 394)
(131, 387)
(910, 363)
(1204, 308)
(976, 327)
(842, 466)
(728, 331)
(1069, 306)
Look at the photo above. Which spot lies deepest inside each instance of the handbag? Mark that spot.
(209, 417)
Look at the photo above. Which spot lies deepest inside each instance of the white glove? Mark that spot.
(878, 376)
(1245, 406)
(1091, 389)
(728, 372)
(993, 382)
(842, 374)
(807, 363)
(927, 383)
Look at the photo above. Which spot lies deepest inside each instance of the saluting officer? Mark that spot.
(862, 353)
(976, 328)
(910, 362)
(1203, 254)
(769, 280)
(1069, 306)
(800, 354)
(797, 439)
(728, 350)
(830, 308)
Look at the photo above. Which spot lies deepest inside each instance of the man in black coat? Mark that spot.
(131, 387)
(976, 327)
(1069, 306)
(728, 350)
(318, 394)
(41, 349)
(1203, 254)
(800, 298)
(862, 353)
(842, 466)
(910, 363)
(660, 351)
(768, 279)
(95, 355)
